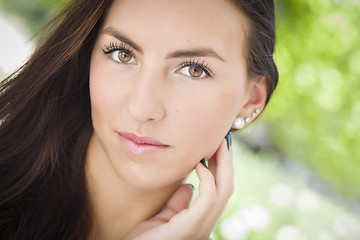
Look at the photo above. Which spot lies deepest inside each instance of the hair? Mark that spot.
(260, 15)
(45, 121)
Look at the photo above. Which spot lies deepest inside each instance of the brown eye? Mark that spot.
(124, 56)
(120, 53)
(195, 71)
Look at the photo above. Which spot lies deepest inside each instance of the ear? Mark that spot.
(259, 90)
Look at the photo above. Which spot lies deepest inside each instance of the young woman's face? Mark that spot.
(167, 79)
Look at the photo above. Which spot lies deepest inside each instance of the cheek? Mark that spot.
(102, 97)
(98, 101)
(105, 90)
(210, 109)
(202, 123)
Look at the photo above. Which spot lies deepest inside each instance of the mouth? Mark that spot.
(140, 145)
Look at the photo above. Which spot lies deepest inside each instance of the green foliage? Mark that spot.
(36, 13)
(315, 113)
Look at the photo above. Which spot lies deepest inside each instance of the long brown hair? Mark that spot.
(261, 37)
(45, 126)
(45, 122)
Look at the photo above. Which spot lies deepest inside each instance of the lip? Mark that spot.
(140, 145)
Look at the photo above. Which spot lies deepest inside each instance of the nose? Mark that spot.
(146, 101)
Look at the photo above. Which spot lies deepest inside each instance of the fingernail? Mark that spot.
(203, 163)
(228, 140)
(190, 185)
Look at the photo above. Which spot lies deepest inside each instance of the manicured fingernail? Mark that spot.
(190, 185)
(203, 163)
(228, 140)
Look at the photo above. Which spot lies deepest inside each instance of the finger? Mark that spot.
(195, 218)
(207, 193)
(212, 164)
(207, 188)
(221, 166)
(213, 159)
(179, 201)
(202, 215)
(224, 176)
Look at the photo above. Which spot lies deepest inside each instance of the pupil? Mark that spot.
(124, 56)
(195, 71)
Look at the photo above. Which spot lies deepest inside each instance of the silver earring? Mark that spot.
(254, 114)
(239, 123)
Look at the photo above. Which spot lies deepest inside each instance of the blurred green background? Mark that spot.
(298, 166)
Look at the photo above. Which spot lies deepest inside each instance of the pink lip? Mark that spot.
(141, 145)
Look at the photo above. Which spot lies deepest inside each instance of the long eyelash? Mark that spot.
(116, 46)
(201, 64)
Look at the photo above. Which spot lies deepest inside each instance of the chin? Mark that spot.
(144, 178)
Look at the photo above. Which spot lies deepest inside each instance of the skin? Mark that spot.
(153, 95)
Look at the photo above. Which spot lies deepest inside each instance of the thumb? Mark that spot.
(179, 201)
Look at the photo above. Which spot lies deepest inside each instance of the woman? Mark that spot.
(118, 104)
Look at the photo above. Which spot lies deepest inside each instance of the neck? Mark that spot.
(116, 205)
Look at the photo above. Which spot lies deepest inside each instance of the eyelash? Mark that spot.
(114, 46)
(200, 64)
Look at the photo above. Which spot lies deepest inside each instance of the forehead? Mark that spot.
(170, 23)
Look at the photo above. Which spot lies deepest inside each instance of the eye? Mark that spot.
(120, 53)
(195, 70)
(122, 56)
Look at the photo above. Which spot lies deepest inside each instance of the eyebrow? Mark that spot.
(196, 52)
(120, 36)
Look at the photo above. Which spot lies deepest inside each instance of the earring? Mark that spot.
(254, 114)
(239, 123)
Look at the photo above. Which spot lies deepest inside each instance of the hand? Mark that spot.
(177, 220)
